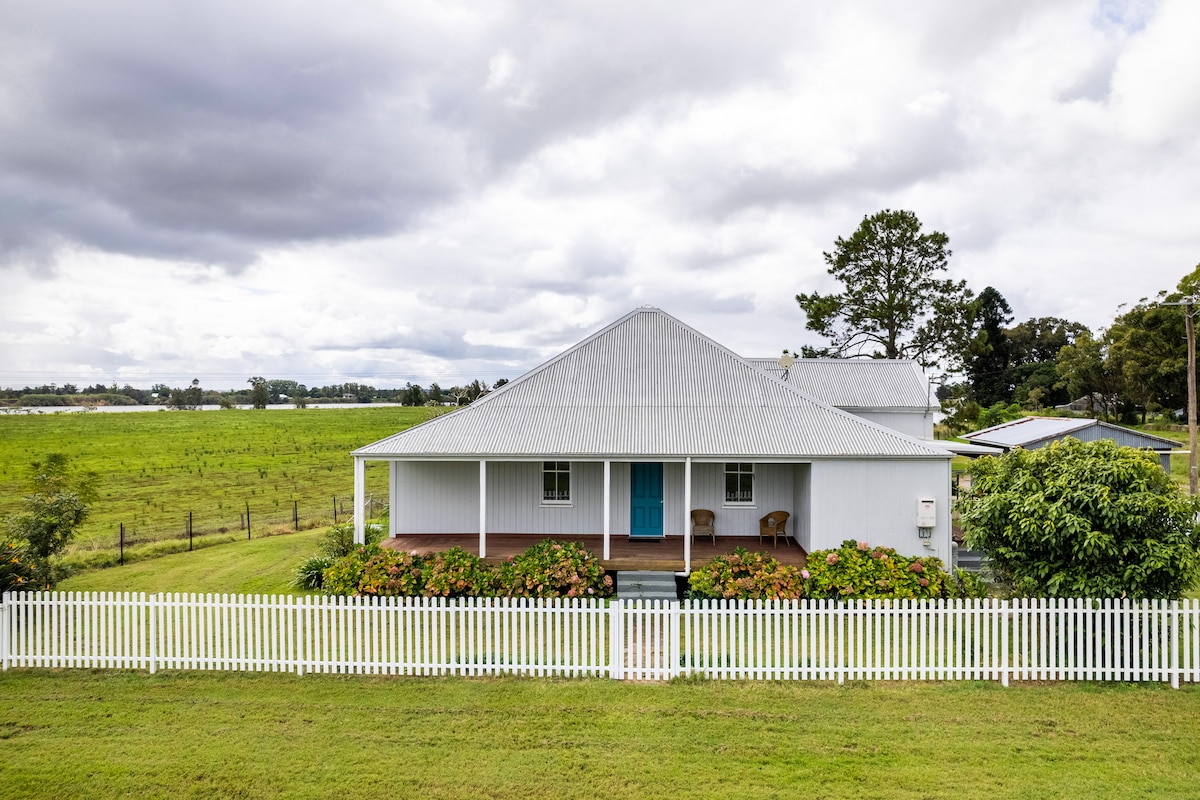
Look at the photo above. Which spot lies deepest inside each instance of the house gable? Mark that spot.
(649, 386)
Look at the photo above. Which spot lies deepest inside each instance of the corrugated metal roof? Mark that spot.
(858, 383)
(648, 385)
(1032, 430)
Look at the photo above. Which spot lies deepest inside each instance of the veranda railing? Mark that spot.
(1001, 640)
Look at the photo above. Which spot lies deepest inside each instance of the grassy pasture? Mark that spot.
(102, 734)
(155, 467)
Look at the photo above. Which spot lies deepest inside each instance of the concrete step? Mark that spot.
(646, 585)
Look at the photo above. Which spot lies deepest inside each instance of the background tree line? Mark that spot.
(259, 392)
(896, 301)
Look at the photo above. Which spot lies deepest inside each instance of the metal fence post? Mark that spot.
(122, 545)
(247, 521)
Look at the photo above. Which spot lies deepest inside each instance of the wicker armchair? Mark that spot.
(775, 526)
(704, 524)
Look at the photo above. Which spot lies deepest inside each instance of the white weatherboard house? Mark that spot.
(625, 433)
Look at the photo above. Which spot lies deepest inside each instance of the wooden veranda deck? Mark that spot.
(627, 554)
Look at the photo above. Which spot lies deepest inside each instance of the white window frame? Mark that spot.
(556, 468)
(741, 469)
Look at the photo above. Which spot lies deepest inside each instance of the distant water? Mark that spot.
(115, 409)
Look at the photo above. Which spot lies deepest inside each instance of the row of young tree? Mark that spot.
(896, 301)
(259, 392)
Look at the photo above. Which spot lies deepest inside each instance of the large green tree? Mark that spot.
(1146, 349)
(1034, 346)
(1082, 519)
(988, 355)
(894, 301)
(56, 505)
(1085, 371)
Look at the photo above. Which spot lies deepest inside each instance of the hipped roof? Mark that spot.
(863, 384)
(648, 386)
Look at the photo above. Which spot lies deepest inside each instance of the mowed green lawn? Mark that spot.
(260, 566)
(157, 466)
(198, 735)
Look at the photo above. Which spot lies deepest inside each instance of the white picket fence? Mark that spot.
(999, 640)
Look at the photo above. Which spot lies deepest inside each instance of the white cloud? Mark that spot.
(438, 190)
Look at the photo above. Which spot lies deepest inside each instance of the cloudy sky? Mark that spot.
(428, 191)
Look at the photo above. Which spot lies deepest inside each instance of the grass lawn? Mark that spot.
(125, 734)
(260, 566)
(155, 467)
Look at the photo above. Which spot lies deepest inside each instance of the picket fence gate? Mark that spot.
(996, 640)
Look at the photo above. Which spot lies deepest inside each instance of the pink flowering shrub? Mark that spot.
(553, 569)
(745, 576)
(455, 573)
(372, 570)
(547, 569)
(857, 570)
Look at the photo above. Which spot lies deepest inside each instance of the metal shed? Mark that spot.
(1033, 432)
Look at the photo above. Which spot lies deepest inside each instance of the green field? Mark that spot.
(155, 467)
(110, 734)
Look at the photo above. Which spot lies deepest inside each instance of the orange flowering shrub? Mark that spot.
(18, 571)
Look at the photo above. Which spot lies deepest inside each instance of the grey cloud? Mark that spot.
(913, 149)
(437, 343)
(209, 147)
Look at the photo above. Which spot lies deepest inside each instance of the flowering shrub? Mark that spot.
(392, 573)
(746, 576)
(18, 572)
(554, 569)
(857, 570)
(547, 569)
(455, 573)
(373, 570)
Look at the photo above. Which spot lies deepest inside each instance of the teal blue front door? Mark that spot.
(645, 501)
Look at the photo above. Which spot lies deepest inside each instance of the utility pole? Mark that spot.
(1189, 310)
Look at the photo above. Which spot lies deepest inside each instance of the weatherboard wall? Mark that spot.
(876, 502)
(443, 497)
(916, 424)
